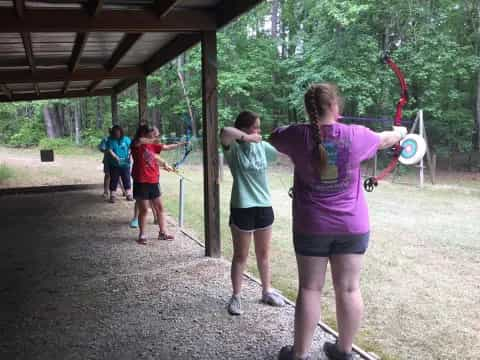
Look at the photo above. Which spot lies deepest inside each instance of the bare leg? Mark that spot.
(135, 210)
(241, 244)
(348, 297)
(263, 239)
(154, 212)
(311, 276)
(106, 183)
(160, 211)
(142, 216)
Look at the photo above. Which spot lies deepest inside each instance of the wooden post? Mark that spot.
(421, 130)
(210, 144)
(114, 105)
(142, 100)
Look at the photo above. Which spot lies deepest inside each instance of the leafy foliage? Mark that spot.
(436, 44)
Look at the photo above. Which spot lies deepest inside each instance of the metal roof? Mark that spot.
(68, 48)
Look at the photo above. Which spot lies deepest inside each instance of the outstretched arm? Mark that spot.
(230, 134)
(174, 146)
(390, 138)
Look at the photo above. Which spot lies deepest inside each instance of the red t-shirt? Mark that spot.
(145, 165)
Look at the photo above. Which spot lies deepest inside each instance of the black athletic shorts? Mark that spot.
(251, 219)
(146, 191)
(327, 245)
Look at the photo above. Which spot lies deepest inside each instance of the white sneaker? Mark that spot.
(235, 306)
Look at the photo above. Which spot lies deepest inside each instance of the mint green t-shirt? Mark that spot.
(248, 163)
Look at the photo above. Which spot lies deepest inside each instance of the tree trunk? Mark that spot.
(156, 111)
(274, 14)
(52, 123)
(77, 123)
(99, 123)
(476, 140)
(60, 116)
(183, 83)
(49, 126)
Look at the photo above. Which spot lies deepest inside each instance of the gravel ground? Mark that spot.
(75, 285)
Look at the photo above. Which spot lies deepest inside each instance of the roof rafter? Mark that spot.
(122, 48)
(26, 39)
(132, 21)
(165, 54)
(80, 41)
(163, 7)
(94, 7)
(53, 75)
(55, 95)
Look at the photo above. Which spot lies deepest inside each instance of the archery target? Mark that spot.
(414, 148)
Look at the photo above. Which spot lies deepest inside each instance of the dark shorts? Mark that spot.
(106, 168)
(327, 245)
(251, 219)
(146, 191)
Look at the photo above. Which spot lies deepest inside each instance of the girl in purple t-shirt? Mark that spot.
(330, 215)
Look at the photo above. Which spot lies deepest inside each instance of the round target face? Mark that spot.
(414, 148)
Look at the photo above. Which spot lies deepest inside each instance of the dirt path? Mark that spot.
(84, 168)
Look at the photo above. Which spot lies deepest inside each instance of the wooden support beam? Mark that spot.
(80, 41)
(93, 85)
(165, 54)
(55, 95)
(6, 91)
(87, 74)
(210, 145)
(142, 100)
(94, 7)
(114, 106)
(122, 48)
(163, 7)
(27, 44)
(129, 21)
(19, 7)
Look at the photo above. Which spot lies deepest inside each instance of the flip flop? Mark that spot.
(165, 236)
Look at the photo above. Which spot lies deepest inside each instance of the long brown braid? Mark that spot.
(318, 99)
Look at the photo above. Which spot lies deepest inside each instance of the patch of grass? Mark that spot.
(412, 294)
(6, 173)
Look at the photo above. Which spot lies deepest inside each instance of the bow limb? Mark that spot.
(372, 182)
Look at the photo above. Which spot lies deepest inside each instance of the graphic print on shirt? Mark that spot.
(149, 158)
(337, 177)
(331, 175)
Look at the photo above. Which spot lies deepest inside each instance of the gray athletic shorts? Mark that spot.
(327, 245)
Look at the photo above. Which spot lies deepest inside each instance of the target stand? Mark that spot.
(415, 149)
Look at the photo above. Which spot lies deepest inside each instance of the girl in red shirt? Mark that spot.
(146, 173)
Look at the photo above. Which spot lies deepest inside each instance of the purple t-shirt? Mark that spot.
(336, 203)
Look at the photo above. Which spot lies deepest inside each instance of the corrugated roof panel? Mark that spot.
(50, 86)
(100, 47)
(53, 45)
(144, 48)
(11, 45)
(79, 85)
(197, 3)
(107, 84)
(55, 4)
(21, 87)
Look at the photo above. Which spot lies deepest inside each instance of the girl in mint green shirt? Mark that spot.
(251, 213)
